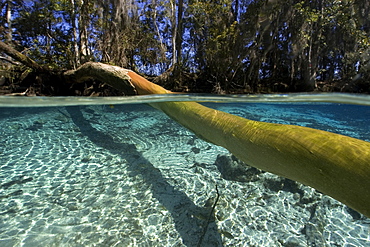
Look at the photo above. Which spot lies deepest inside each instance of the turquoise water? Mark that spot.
(90, 172)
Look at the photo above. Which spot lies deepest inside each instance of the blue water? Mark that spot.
(127, 175)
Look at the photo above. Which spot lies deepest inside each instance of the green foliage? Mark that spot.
(227, 44)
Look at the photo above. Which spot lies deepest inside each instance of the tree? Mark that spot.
(217, 37)
(9, 35)
(201, 45)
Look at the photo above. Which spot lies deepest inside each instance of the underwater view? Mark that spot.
(117, 172)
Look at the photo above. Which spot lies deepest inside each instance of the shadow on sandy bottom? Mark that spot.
(190, 220)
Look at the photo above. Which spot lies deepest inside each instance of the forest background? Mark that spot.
(218, 46)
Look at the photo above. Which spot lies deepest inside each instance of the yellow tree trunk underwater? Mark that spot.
(336, 165)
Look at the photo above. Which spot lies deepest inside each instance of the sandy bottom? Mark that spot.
(130, 176)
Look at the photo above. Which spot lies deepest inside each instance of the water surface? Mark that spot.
(91, 172)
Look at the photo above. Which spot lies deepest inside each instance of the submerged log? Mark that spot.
(334, 164)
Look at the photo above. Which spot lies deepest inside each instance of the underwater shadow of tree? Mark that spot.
(184, 212)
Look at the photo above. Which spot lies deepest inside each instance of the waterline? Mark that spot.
(341, 98)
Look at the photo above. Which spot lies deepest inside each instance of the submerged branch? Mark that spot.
(210, 216)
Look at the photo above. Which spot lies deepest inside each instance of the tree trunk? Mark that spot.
(334, 164)
(83, 32)
(161, 43)
(174, 32)
(74, 21)
(115, 76)
(10, 51)
(9, 33)
(179, 30)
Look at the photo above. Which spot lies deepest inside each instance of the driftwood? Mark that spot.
(336, 165)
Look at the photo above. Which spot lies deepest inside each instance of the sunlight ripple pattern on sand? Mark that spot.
(130, 176)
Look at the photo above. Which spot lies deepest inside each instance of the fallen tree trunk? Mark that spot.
(336, 165)
(10, 51)
(115, 76)
(54, 81)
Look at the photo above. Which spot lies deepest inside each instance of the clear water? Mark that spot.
(93, 174)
